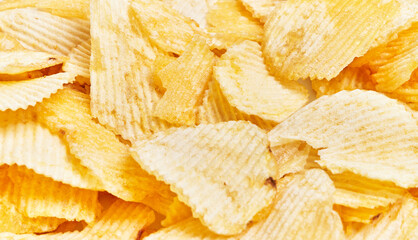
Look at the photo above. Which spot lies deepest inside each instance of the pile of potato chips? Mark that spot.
(197, 119)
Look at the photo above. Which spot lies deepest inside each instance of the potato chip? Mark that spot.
(247, 85)
(233, 164)
(68, 113)
(66, 8)
(27, 143)
(7, 43)
(121, 91)
(161, 61)
(194, 9)
(408, 92)
(399, 223)
(176, 212)
(230, 22)
(261, 8)
(123, 220)
(22, 94)
(79, 62)
(350, 78)
(359, 215)
(185, 80)
(318, 39)
(363, 132)
(164, 26)
(43, 31)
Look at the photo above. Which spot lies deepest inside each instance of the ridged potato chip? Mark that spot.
(8, 43)
(318, 39)
(401, 222)
(22, 94)
(123, 220)
(363, 132)
(215, 169)
(408, 92)
(247, 85)
(185, 80)
(79, 62)
(194, 9)
(43, 31)
(260, 9)
(161, 61)
(68, 113)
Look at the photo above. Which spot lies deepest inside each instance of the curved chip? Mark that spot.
(43, 31)
(318, 39)
(22, 94)
(79, 62)
(7, 43)
(216, 169)
(247, 85)
(194, 9)
(260, 9)
(363, 132)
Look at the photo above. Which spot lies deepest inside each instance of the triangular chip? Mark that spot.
(68, 113)
(194, 9)
(185, 80)
(261, 8)
(79, 62)
(216, 169)
(22, 94)
(318, 39)
(43, 31)
(360, 131)
(247, 85)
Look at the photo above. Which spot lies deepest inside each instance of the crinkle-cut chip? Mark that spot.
(185, 80)
(164, 26)
(215, 109)
(161, 61)
(363, 132)
(358, 215)
(62, 8)
(123, 220)
(303, 210)
(408, 92)
(22, 94)
(38, 196)
(216, 169)
(122, 95)
(7, 43)
(176, 212)
(350, 78)
(79, 62)
(68, 113)
(194, 9)
(43, 31)
(247, 85)
(261, 9)
(318, 39)
(230, 21)
(359, 192)
(27, 143)
(20, 61)
(400, 222)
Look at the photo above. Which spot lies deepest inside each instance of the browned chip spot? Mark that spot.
(270, 181)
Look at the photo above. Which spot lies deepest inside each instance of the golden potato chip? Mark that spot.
(350, 78)
(352, 228)
(79, 62)
(185, 80)
(122, 95)
(43, 31)
(68, 113)
(215, 169)
(260, 8)
(176, 212)
(401, 222)
(39, 196)
(7, 43)
(161, 61)
(194, 9)
(247, 85)
(408, 92)
(123, 220)
(164, 26)
(230, 22)
(363, 132)
(359, 215)
(22, 94)
(318, 39)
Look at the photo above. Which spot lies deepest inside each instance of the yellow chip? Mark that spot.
(216, 169)
(260, 8)
(359, 215)
(161, 61)
(123, 220)
(247, 85)
(194, 9)
(363, 132)
(400, 222)
(408, 92)
(122, 95)
(164, 26)
(185, 80)
(176, 212)
(79, 62)
(68, 113)
(43, 31)
(303, 210)
(22, 94)
(26, 142)
(318, 39)
(230, 22)
(7, 43)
